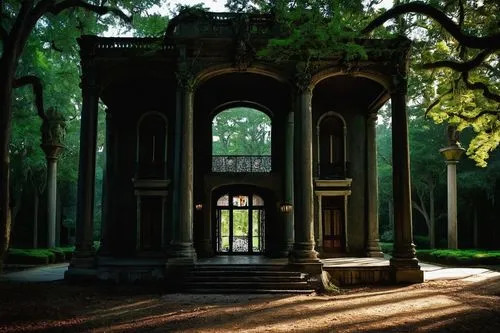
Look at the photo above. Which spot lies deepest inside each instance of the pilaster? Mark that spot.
(372, 246)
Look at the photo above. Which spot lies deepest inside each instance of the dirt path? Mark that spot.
(438, 306)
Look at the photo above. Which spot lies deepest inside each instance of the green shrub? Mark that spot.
(29, 256)
(59, 255)
(386, 247)
(421, 242)
(39, 256)
(387, 236)
(68, 252)
(460, 257)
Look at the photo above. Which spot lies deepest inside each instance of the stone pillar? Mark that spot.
(452, 155)
(83, 257)
(181, 247)
(303, 248)
(288, 218)
(452, 204)
(106, 185)
(372, 246)
(404, 263)
(53, 131)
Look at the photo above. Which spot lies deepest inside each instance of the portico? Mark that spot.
(316, 190)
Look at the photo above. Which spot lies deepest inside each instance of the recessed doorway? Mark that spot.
(240, 224)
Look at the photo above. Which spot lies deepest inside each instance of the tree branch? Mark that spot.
(100, 10)
(54, 46)
(480, 86)
(419, 209)
(3, 35)
(487, 42)
(37, 90)
(436, 102)
(460, 66)
(469, 119)
(3, 32)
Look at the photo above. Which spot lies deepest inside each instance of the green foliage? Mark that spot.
(469, 98)
(39, 256)
(386, 247)
(241, 131)
(460, 257)
(316, 29)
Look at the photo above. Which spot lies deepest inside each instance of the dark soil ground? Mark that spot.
(438, 306)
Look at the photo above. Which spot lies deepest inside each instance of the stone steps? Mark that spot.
(231, 279)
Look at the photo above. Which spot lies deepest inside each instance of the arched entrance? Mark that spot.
(239, 218)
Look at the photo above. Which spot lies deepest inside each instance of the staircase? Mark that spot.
(245, 278)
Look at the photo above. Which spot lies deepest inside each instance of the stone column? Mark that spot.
(452, 204)
(372, 246)
(181, 248)
(303, 247)
(83, 257)
(452, 155)
(288, 218)
(53, 131)
(106, 186)
(404, 263)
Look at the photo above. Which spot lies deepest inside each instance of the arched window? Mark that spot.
(241, 141)
(151, 146)
(331, 133)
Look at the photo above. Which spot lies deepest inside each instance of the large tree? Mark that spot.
(18, 21)
(456, 50)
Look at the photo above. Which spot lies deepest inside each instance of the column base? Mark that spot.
(206, 249)
(406, 270)
(286, 249)
(407, 275)
(82, 267)
(304, 258)
(373, 249)
(182, 253)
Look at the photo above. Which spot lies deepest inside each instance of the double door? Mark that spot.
(240, 224)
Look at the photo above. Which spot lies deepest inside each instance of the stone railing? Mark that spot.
(133, 44)
(208, 24)
(241, 163)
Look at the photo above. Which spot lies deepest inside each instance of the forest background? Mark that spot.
(453, 79)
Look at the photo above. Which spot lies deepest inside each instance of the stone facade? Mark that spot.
(161, 94)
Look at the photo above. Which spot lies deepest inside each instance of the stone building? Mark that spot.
(169, 202)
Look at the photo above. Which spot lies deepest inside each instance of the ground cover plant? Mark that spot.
(38, 256)
(460, 257)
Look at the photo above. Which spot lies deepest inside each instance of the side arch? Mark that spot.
(383, 80)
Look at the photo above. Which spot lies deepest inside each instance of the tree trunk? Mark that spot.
(13, 44)
(391, 217)
(36, 202)
(475, 226)
(6, 77)
(432, 218)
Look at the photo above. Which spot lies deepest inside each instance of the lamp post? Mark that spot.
(452, 155)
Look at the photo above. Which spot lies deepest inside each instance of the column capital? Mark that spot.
(185, 77)
(303, 78)
(399, 84)
(53, 132)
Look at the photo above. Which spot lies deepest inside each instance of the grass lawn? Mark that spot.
(460, 257)
(453, 257)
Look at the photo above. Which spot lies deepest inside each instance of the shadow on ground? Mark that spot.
(436, 306)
